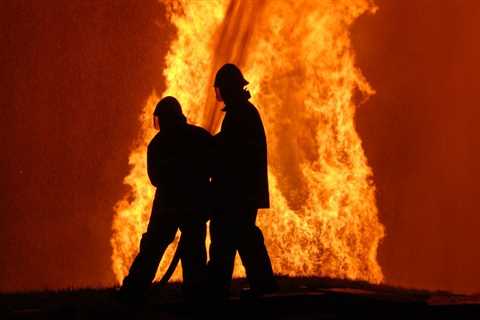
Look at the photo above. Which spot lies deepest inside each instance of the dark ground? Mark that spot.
(299, 298)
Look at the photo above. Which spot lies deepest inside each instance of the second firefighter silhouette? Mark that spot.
(240, 188)
(177, 164)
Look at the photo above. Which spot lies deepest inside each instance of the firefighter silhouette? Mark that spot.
(178, 166)
(240, 188)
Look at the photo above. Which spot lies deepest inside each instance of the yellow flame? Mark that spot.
(298, 58)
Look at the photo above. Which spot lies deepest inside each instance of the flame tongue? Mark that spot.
(232, 41)
(324, 219)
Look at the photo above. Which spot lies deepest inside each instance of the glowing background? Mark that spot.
(76, 75)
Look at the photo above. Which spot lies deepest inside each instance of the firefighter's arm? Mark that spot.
(158, 166)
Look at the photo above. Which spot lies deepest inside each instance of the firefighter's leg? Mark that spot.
(222, 254)
(160, 233)
(194, 258)
(254, 255)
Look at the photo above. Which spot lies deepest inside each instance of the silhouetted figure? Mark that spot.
(240, 186)
(177, 162)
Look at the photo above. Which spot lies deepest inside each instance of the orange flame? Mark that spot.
(324, 219)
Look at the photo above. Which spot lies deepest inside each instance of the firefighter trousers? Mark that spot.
(162, 227)
(232, 231)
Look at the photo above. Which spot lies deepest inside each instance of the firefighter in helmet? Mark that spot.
(240, 188)
(178, 166)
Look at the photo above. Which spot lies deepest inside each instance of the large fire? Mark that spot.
(298, 58)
